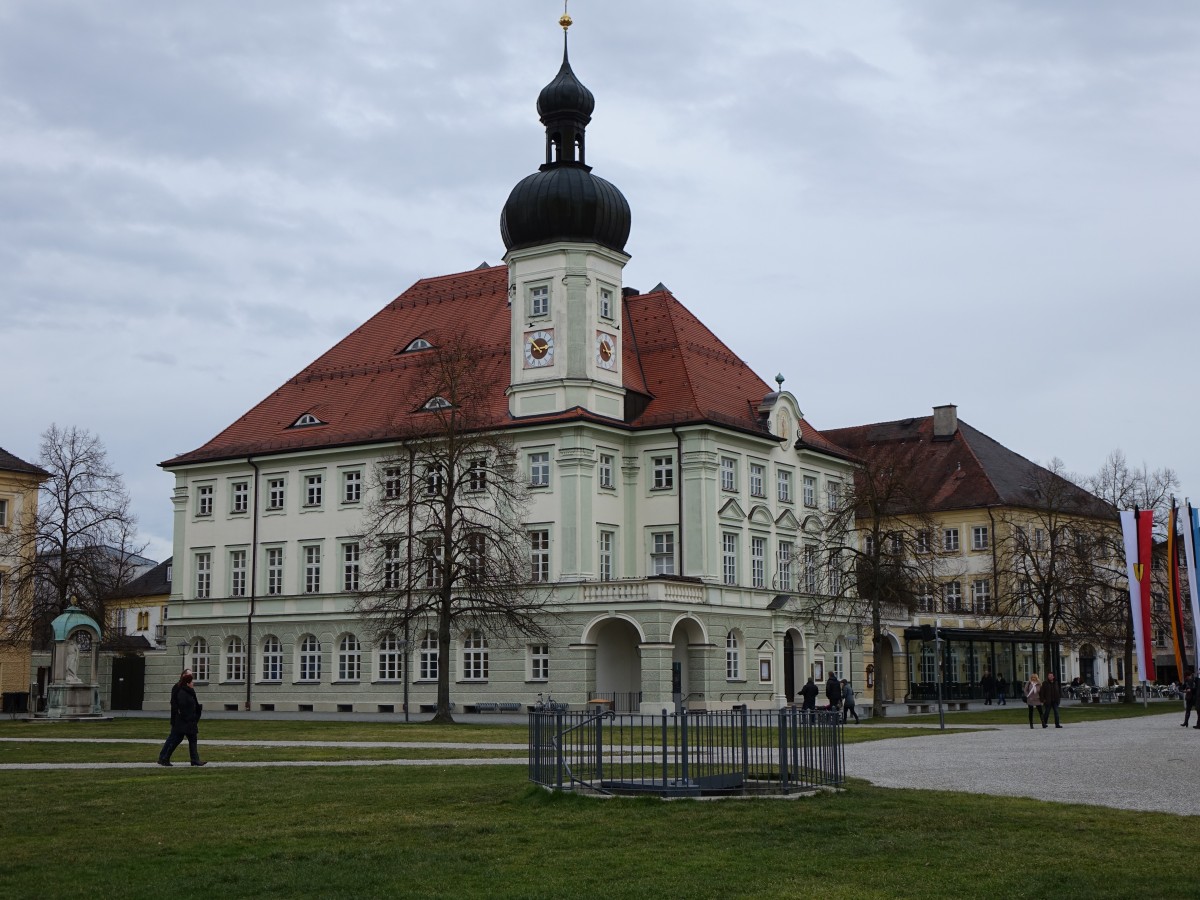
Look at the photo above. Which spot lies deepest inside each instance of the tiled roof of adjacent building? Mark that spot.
(364, 389)
(150, 584)
(969, 469)
(10, 463)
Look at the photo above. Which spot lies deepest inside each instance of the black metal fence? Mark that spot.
(687, 754)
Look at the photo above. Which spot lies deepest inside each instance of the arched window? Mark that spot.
(475, 657)
(429, 657)
(272, 659)
(199, 664)
(349, 659)
(310, 659)
(391, 659)
(235, 659)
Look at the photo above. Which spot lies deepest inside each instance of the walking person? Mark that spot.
(833, 692)
(185, 720)
(809, 693)
(1051, 694)
(1189, 699)
(1033, 697)
(1002, 690)
(848, 702)
(988, 685)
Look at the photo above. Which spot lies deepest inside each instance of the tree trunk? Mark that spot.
(443, 716)
(876, 642)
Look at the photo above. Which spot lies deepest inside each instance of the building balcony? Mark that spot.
(160, 635)
(638, 590)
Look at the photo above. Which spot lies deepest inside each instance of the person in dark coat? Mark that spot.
(988, 685)
(809, 693)
(1189, 699)
(185, 721)
(1002, 690)
(1051, 694)
(833, 692)
(848, 708)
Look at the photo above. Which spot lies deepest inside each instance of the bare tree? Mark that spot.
(1107, 616)
(83, 536)
(1055, 554)
(877, 544)
(445, 544)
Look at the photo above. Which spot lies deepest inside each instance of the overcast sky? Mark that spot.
(894, 204)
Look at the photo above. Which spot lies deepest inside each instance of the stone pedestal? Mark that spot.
(65, 700)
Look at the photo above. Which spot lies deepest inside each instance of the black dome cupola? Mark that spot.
(563, 200)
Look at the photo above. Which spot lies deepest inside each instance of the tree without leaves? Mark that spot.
(83, 536)
(877, 545)
(444, 539)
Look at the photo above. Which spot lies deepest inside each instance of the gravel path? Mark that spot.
(1144, 763)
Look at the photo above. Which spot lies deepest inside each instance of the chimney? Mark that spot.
(945, 422)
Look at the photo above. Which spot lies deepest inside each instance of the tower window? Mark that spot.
(539, 300)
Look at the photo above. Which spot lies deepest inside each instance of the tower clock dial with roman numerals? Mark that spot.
(606, 350)
(539, 348)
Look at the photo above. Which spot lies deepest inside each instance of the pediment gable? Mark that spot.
(760, 515)
(732, 511)
(787, 520)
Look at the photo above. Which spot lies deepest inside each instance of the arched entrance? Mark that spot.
(618, 664)
(687, 677)
(1087, 664)
(793, 664)
(885, 668)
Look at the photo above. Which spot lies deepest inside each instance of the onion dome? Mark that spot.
(563, 200)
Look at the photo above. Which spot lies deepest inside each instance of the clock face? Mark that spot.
(606, 350)
(539, 348)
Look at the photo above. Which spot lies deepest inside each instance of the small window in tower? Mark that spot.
(418, 344)
(306, 420)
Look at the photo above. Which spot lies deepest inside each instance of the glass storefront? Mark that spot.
(967, 656)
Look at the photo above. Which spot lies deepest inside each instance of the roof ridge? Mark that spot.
(975, 456)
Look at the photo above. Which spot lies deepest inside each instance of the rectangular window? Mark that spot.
(1039, 538)
(272, 660)
(539, 662)
(237, 573)
(921, 542)
(275, 493)
(810, 491)
(274, 570)
(785, 486)
(203, 575)
(477, 475)
(896, 542)
(835, 573)
(393, 483)
(606, 303)
(391, 659)
(952, 597)
(729, 558)
(662, 553)
(432, 556)
(352, 486)
(663, 468)
(235, 660)
(606, 471)
(314, 489)
(783, 562)
(833, 495)
(204, 500)
(979, 537)
(351, 560)
(392, 564)
(539, 469)
(240, 501)
(925, 602)
(435, 481)
(758, 480)
(476, 557)
(539, 555)
(606, 555)
(810, 569)
(869, 545)
(312, 570)
(981, 595)
(3, 513)
(539, 300)
(950, 540)
(429, 657)
(758, 561)
(728, 473)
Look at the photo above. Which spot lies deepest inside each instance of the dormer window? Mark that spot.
(418, 344)
(306, 420)
(437, 403)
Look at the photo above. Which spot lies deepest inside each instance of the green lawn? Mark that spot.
(484, 832)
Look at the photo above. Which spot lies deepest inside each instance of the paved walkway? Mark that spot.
(1145, 763)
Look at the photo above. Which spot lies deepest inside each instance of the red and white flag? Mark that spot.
(1136, 528)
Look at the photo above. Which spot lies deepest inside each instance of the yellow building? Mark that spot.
(19, 483)
(991, 524)
(135, 630)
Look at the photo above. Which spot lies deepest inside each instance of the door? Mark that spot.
(128, 682)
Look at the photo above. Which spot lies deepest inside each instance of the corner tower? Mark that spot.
(564, 232)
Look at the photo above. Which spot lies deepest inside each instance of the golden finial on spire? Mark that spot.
(565, 21)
